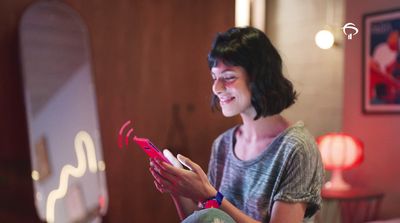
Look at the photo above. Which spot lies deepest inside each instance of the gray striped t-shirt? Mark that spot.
(289, 170)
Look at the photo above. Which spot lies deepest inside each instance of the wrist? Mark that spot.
(211, 193)
(213, 202)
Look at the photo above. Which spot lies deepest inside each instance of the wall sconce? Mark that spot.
(339, 152)
(324, 39)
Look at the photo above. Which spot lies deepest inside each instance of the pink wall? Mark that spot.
(380, 133)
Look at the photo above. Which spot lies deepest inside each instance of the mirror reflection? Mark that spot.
(66, 153)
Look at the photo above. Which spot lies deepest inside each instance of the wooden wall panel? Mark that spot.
(149, 61)
(16, 192)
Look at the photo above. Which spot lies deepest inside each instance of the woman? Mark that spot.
(264, 170)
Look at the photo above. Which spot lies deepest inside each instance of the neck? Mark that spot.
(264, 127)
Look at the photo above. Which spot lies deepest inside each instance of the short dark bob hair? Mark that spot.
(251, 49)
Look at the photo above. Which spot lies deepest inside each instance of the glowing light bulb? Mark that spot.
(324, 39)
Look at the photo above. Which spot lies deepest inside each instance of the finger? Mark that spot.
(188, 163)
(169, 169)
(163, 178)
(158, 186)
(159, 178)
(164, 186)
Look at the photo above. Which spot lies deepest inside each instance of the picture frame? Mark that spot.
(381, 62)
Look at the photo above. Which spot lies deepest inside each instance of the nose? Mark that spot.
(218, 86)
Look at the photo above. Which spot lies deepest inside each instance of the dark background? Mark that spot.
(149, 65)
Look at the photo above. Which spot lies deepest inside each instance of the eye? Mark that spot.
(229, 78)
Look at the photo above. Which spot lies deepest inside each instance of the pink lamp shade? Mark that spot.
(339, 152)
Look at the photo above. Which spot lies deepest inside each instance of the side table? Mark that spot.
(355, 205)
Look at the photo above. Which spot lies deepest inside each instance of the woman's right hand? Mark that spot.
(192, 183)
(184, 206)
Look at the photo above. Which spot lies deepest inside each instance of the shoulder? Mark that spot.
(224, 141)
(298, 134)
(298, 140)
(225, 137)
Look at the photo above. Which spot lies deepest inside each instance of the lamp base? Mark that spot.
(337, 182)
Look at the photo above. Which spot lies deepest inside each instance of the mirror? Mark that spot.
(68, 170)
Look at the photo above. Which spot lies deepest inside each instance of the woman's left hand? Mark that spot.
(192, 183)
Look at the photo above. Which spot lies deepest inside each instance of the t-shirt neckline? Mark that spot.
(270, 147)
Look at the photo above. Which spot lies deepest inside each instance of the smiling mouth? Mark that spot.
(224, 101)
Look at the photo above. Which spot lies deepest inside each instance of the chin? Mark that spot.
(229, 113)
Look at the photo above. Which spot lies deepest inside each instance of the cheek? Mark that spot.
(229, 84)
(247, 95)
(236, 84)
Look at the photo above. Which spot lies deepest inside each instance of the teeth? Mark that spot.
(225, 99)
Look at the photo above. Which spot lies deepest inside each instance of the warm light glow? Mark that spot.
(339, 152)
(242, 13)
(324, 39)
(82, 140)
(35, 175)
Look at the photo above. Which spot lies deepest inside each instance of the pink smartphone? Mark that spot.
(150, 149)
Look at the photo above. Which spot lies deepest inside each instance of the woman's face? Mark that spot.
(231, 87)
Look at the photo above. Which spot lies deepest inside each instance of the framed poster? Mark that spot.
(381, 62)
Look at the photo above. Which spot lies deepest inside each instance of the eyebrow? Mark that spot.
(224, 71)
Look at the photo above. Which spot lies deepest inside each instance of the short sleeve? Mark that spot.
(212, 166)
(302, 178)
(216, 164)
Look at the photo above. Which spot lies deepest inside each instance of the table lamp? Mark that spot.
(339, 151)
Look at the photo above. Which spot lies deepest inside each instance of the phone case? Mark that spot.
(150, 149)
